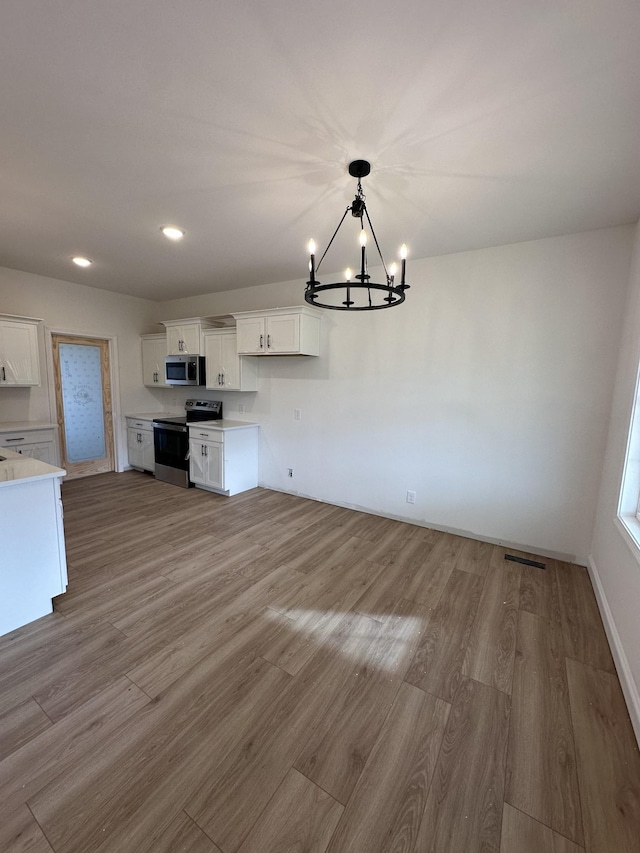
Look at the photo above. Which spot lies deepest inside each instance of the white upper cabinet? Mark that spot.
(279, 331)
(226, 370)
(154, 351)
(184, 337)
(19, 360)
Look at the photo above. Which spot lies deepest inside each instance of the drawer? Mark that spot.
(135, 423)
(30, 436)
(216, 436)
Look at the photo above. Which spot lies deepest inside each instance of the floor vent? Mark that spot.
(525, 562)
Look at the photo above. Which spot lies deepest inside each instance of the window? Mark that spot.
(629, 502)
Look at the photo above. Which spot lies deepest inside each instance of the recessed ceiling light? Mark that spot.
(82, 262)
(172, 232)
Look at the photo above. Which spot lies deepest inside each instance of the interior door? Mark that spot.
(84, 404)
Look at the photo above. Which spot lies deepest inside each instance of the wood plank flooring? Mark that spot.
(268, 674)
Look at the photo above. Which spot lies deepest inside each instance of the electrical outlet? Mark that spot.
(297, 414)
(290, 472)
(411, 497)
(241, 408)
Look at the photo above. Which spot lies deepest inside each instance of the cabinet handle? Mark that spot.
(222, 379)
(14, 439)
(4, 375)
(268, 341)
(206, 450)
(261, 344)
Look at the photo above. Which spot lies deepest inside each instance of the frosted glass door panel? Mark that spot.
(82, 400)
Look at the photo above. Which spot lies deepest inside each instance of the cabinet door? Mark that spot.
(134, 447)
(283, 333)
(148, 453)
(197, 462)
(154, 351)
(183, 339)
(251, 335)
(174, 340)
(43, 452)
(19, 362)
(214, 466)
(213, 355)
(191, 338)
(230, 362)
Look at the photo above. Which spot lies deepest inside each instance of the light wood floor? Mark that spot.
(267, 674)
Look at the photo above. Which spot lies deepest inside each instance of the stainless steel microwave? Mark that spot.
(184, 370)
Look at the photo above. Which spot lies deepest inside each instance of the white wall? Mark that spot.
(488, 393)
(81, 310)
(615, 567)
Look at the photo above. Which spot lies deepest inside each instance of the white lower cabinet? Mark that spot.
(140, 444)
(205, 458)
(35, 442)
(33, 565)
(224, 459)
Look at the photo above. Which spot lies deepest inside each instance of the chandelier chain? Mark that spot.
(332, 239)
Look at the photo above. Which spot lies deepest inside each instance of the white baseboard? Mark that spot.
(456, 531)
(627, 681)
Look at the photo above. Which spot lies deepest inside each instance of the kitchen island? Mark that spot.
(33, 565)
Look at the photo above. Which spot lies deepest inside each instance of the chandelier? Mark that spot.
(361, 294)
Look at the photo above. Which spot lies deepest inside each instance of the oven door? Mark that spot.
(171, 454)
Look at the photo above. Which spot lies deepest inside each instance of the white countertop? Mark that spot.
(16, 468)
(149, 416)
(221, 423)
(22, 426)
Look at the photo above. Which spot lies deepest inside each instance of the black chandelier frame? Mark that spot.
(395, 293)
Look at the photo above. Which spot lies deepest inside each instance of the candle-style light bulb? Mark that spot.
(393, 269)
(312, 260)
(347, 274)
(363, 256)
(403, 257)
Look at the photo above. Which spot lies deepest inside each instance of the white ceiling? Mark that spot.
(485, 122)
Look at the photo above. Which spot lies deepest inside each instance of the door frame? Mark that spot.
(114, 374)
